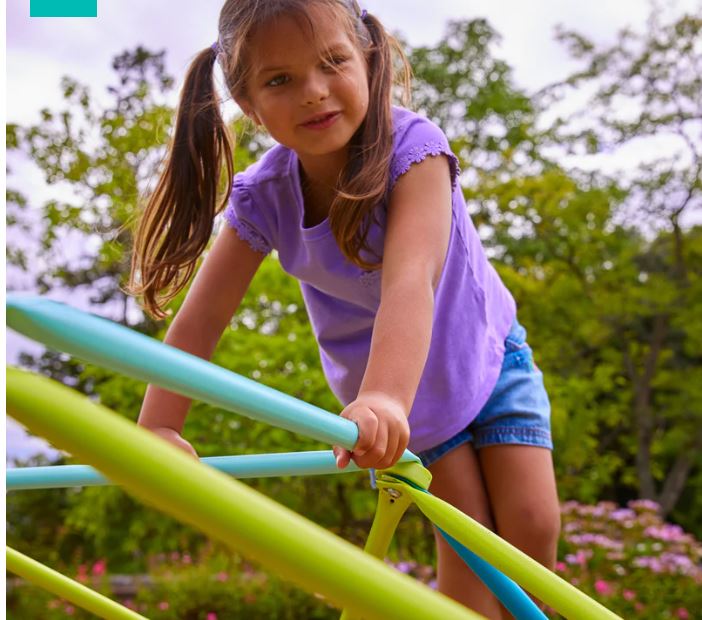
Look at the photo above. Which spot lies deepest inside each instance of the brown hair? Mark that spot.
(178, 219)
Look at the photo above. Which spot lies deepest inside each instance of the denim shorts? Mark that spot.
(518, 410)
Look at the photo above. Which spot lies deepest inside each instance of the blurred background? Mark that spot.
(579, 129)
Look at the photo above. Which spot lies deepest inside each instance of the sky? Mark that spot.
(42, 50)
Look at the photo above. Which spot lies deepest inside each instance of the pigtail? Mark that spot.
(364, 181)
(178, 219)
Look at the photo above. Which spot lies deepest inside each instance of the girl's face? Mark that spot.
(310, 93)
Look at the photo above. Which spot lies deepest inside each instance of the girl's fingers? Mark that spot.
(367, 424)
(396, 446)
(391, 448)
(381, 437)
(402, 441)
(376, 452)
(343, 457)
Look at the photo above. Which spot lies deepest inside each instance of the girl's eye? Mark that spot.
(335, 61)
(278, 80)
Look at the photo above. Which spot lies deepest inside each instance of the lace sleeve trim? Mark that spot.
(418, 154)
(247, 232)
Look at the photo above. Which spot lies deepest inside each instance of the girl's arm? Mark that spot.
(416, 243)
(214, 296)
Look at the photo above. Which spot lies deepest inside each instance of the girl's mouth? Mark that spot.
(322, 122)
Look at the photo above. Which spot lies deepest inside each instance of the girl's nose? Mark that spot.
(316, 89)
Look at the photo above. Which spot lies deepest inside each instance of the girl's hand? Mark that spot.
(383, 431)
(172, 436)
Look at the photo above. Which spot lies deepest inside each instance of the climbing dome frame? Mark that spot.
(207, 496)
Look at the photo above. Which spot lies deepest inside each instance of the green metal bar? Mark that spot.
(514, 599)
(388, 513)
(165, 477)
(67, 588)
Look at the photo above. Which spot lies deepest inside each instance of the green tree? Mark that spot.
(608, 275)
(649, 85)
(470, 94)
(105, 158)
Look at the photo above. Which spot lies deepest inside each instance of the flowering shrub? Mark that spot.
(219, 585)
(627, 558)
(29, 601)
(631, 560)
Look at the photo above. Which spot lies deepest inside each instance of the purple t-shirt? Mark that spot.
(473, 310)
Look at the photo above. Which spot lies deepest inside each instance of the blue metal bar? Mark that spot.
(312, 463)
(507, 591)
(121, 349)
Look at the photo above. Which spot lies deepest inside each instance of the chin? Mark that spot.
(325, 147)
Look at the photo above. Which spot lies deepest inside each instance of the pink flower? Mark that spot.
(211, 615)
(187, 559)
(629, 595)
(69, 609)
(603, 588)
(82, 574)
(99, 568)
(560, 566)
(404, 567)
(222, 576)
(163, 605)
(644, 504)
(666, 532)
(581, 557)
(682, 613)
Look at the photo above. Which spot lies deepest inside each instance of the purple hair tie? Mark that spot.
(215, 47)
(363, 15)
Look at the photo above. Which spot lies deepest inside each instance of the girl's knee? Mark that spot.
(539, 524)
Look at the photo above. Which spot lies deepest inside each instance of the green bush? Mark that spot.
(27, 601)
(628, 558)
(219, 585)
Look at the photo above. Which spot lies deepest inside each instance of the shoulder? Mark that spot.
(410, 126)
(415, 138)
(274, 165)
(257, 198)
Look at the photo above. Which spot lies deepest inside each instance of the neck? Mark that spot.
(318, 197)
(323, 171)
(319, 177)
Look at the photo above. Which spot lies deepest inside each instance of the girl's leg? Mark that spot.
(456, 479)
(524, 502)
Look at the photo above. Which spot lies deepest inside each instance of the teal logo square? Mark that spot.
(62, 8)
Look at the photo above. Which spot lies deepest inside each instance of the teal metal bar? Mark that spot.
(121, 349)
(241, 466)
(515, 600)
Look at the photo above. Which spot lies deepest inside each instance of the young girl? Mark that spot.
(417, 334)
